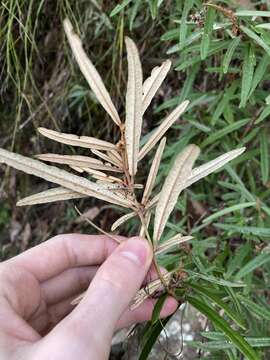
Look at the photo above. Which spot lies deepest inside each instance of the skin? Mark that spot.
(37, 287)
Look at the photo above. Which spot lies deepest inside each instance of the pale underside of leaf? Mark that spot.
(169, 244)
(107, 158)
(51, 195)
(153, 83)
(75, 140)
(114, 155)
(78, 161)
(122, 220)
(153, 172)
(108, 178)
(204, 170)
(213, 165)
(172, 187)
(144, 227)
(150, 289)
(133, 123)
(61, 177)
(163, 127)
(90, 73)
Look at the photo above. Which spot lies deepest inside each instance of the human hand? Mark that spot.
(37, 287)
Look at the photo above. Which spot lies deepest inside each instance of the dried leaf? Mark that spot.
(51, 195)
(153, 83)
(90, 73)
(90, 214)
(213, 165)
(78, 161)
(133, 106)
(144, 227)
(173, 185)
(122, 220)
(107, 158)
(204, 170)
(153, 172)
(114, 155)
(163, 127)
(61, 177)
(149, 290)
(168, 244)
(75, 140)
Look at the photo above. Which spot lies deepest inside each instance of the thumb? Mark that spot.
(94, 320)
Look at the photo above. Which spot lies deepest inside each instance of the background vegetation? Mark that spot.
(221, 55)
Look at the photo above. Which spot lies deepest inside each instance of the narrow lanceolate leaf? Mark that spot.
(173, 185)
(163, 127)
(202, 171)
(153, 172)
(153, 83)
(90, 73)
(51, 195)
(107, 158)
(75, 140)
(174, 241)
(77, 161)
(264, 156)
(61, 177)
(122, 220)
(133, 124)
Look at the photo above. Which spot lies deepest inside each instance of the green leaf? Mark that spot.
(229, 54)
(208, 28)
(258, 40)
(183, 26)
(153, 5)
(261, 312)
(248, 230)
(119, 7)
(214, 298)
(225, 131)
(214, 280)
(259, 72)
(247, 74)
(157, 308)
(253, 264)
(229, 210)
(134, 13)
(263, 115)
(252, 13)
(239, 342)
(153, 333)
(264, 156)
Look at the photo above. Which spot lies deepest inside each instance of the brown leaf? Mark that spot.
(163, 127)
(133, 123)
(74, 140)
(153, 83)
(61, 177)
(90, 73)
(153, 172)
(172, 187)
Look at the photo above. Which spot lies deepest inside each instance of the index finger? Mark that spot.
(63, 252)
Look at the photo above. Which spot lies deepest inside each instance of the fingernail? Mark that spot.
(137, 250)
